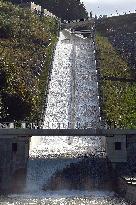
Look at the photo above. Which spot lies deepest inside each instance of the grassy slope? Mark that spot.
(120, 31)
(119, 97)
(26, 47)
(124, 23)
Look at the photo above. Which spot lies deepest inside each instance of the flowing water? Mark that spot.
(72, 102)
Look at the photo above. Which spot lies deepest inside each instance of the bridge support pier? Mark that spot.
(121, 148)
(116, 148)
(14, 153)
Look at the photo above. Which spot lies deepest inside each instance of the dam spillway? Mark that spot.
(73, 98)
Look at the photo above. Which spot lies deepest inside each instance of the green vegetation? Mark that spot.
(120, 31)
(26, 46)
(64, 9)
(123, 23)
(119, 98)
(111, 62)
(117, 53)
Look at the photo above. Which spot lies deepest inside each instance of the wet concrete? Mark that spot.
(92, 173)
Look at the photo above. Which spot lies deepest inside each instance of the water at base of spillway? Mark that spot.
(73, 97)
(64, 198)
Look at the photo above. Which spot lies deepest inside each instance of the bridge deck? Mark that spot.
(66, 132)
(78, 23)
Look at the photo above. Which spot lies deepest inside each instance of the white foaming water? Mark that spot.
(73, 97)
(65, 197)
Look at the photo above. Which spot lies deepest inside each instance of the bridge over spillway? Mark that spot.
(80, 23)
(65, 132)
(115, 141)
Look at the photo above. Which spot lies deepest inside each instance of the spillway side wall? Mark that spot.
(45, 100)
(14, 153)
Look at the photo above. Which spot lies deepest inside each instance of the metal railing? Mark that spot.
(51, 125)
(13, 125)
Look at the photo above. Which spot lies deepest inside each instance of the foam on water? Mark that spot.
(66, 198)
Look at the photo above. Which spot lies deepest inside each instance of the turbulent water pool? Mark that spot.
(73, 99)
(64, 198)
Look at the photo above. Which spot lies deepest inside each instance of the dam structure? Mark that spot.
(73, 100)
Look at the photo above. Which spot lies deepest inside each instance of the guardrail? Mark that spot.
(51, 125)
(77, 20)
(16, 125)
(41, 11)
(77, 23)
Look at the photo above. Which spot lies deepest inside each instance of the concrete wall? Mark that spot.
(127, 151)
(131, 147)
(38, 9)
(116, 155)
(14, 153)
(128, 191)
(35, 7)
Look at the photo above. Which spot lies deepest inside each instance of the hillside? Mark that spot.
(121, 32)
(123, 23)
(116, 43)
(26, 46)
(118, 97)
